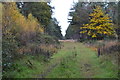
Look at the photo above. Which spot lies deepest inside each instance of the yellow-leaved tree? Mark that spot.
(23, 28)
(99, 25)
(33, 24)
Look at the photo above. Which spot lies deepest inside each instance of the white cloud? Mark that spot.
(62, 8)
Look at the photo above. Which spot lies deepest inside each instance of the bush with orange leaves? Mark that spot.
(47, 50)
(105, 47)
(110, 48)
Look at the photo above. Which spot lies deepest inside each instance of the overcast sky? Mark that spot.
(62, 8)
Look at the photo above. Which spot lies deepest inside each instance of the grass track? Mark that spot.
(73, 60)
(85, 64)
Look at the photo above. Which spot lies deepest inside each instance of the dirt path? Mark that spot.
(68, 40)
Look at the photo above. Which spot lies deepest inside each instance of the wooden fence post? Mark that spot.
(98, 52)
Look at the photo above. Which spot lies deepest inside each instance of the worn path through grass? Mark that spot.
(74, 60)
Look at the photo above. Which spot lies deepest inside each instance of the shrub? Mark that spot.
(46, 39)
(9, 49)
(110, 47)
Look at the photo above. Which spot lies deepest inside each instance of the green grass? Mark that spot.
(22, 70)
(86, 59)
(85, 64)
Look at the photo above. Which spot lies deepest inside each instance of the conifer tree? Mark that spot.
(99, 25)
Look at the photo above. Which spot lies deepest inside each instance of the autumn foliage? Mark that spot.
(99, 24)
(23, 36)
(23, 27)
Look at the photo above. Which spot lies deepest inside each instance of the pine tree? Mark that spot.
(99, 25)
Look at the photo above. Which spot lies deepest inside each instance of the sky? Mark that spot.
(61, 11)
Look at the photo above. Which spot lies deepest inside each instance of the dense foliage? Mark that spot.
(24, 36)
(42, 11)
(54, 29)
(80, 16)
